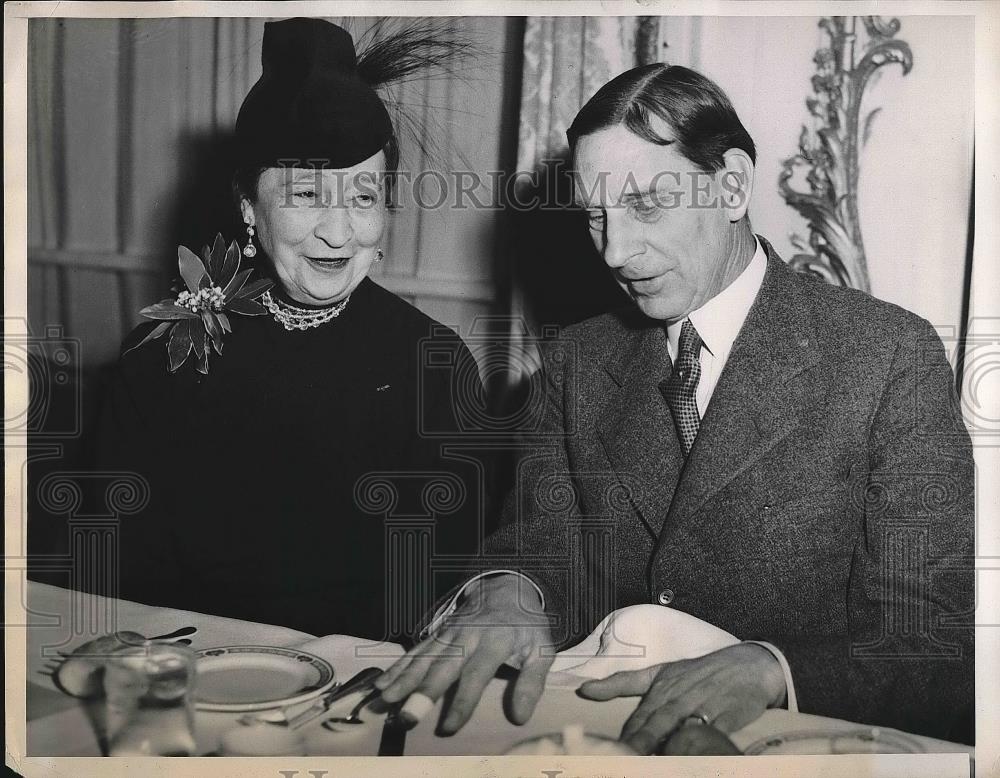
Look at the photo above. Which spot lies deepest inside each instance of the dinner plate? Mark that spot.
(249, 678)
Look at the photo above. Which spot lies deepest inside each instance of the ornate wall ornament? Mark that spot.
(828, 154)
(647, 40)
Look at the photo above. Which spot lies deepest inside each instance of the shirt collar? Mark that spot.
(720, 319)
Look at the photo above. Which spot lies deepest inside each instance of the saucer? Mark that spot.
(240, 679)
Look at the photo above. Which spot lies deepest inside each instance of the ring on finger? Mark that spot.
(696, 717)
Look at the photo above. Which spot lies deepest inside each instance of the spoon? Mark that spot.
(352, 717)
(128, 637)
(177, 633)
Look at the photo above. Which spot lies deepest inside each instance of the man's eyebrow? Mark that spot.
(627, 197)
(309, 176)
(365, 177)
(645, 193)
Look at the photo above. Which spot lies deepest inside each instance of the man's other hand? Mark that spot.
(730, 688)
(500, 621)
(697, 739)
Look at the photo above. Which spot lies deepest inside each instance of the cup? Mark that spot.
(149, 698)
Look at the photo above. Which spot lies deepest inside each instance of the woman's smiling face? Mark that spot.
(320, 227)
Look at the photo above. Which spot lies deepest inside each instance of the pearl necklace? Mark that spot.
(300, 318)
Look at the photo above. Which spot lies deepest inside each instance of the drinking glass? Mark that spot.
(149, 693)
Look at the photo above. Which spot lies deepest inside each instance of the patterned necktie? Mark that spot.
(682, 385)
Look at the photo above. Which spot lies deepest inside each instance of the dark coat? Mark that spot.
(282, 483)
(826, 506)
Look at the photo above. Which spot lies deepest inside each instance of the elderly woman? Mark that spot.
(260, 464)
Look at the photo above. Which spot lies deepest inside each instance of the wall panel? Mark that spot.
(455, 313)
(402, 246)
(196, 58)
(156, 108)
(471, 126)
(93, 301)
(44, 298)
(917, 169)
(44, 136)
(138, 291)
(237, 64)
(435, 239)
(91, 142)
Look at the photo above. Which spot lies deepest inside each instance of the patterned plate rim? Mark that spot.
(325, 669)
(885, 734)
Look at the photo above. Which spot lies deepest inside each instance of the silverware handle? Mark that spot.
(177, 633)
(394, 729)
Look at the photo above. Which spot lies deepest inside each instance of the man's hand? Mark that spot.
(499, 622)
(698, 739)
(730, 687)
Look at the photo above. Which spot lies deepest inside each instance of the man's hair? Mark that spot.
(703, 122)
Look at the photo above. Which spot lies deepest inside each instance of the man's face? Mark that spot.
(657, 219)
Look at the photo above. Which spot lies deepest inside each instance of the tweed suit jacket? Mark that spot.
(826, 505)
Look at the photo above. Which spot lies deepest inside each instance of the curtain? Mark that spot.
(565, 61)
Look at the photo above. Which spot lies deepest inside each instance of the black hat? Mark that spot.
(310, 104)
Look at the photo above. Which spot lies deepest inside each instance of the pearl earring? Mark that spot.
(250, 250)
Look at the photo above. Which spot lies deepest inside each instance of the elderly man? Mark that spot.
(792, 458)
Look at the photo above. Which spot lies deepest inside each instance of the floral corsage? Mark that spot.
(198, 318)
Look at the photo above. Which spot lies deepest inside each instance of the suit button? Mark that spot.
(665, 597)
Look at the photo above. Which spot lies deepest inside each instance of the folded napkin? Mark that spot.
(636, 637)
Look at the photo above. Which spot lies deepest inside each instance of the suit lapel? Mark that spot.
(636, 428)
(762, 390)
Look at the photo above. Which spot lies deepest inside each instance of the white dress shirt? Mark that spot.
(718, 323)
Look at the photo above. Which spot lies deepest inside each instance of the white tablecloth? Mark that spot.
(58, 725)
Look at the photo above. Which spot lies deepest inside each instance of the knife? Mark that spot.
(393, 733)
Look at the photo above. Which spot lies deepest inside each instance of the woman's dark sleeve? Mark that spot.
(455, 461)
(132, 444)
